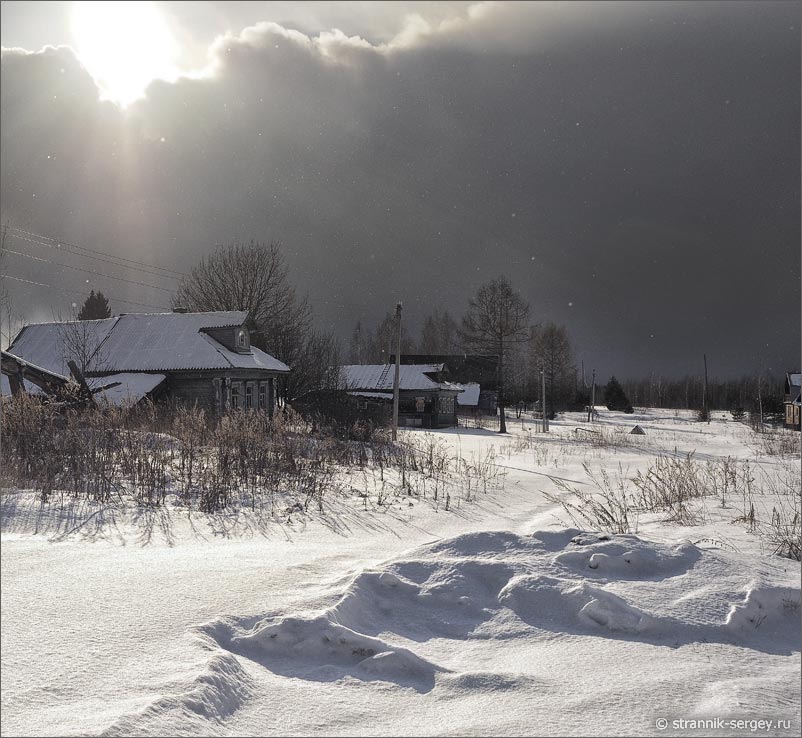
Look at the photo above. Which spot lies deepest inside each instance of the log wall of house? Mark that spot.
(199, 388)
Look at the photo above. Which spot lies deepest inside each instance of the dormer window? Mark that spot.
(243, 340)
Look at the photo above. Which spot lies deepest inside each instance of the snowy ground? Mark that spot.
(494, 617)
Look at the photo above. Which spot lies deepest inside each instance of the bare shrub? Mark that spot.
(784, 532)
(670, 484)
(246, 458)
(483, 472)
(778, 442)
(609, 508)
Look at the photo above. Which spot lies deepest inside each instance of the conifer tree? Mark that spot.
(615, 398)
(96, 307)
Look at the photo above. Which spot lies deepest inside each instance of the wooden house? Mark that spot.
(202, 359)
(791, 400)
(477, 374)
(425, 400)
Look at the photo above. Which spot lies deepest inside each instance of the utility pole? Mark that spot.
(397, 369)
(760, 397)
(543, 398)
(705, 411)
(592, 407)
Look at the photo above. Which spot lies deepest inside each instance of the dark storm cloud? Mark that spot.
(633, 168)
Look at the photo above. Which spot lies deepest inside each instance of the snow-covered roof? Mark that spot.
(470, 395)
(373, 395)
(141, 342)
(795, 380)
(132, 388)
(378, 377)
(46, 344)
(18, 361)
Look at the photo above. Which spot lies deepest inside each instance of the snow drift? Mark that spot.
(497, 587)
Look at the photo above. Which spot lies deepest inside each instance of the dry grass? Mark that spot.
(244, 459)
(609, 508)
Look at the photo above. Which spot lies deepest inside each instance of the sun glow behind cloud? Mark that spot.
(124, 46)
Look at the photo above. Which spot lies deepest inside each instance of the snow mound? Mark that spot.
(422, 600)
(555, 604)
(311, 647)
(486, 543)
(767, 609)
(628, 557)
(407, 623)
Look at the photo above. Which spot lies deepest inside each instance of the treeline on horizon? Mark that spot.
(550, 344)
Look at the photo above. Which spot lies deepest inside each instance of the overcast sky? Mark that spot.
(634, 168)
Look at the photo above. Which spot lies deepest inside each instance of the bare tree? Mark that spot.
(550, 351)
(10, 322)
(357, 347)
(439, 334)
(379, 345)
(317, 366)
(81, 342)
(496, 318)
(255, 278)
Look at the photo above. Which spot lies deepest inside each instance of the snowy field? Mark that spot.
(491, 612)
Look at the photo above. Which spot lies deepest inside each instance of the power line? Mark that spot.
(88, 271)
(96, 251)
(57, 247)
(78, 292)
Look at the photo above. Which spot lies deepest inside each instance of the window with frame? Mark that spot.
(249, 395)
(236, 395)
(242, 339)
(262, 395)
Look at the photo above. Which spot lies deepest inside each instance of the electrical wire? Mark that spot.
(57, 247)
(87, 271)
(79, 292)
(96, 251)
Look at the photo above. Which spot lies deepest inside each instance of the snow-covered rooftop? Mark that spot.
(378, 377)
(373, 395)
(141, 342)
(132, 388)
(469, 397)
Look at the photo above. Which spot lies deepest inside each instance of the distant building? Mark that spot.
(204, 359)
(469, 371)
(424, 400)
(791, 400)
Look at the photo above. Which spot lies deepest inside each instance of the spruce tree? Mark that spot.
(615, 398)
(96, 307)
